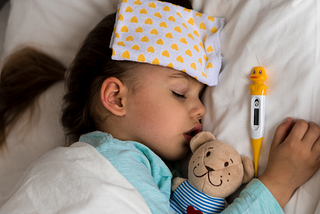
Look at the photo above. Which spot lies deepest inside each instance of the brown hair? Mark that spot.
(24, 76)
(91, 66)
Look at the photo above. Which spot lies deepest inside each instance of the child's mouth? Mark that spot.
(191, 133)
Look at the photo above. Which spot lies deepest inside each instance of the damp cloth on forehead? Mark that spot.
(162, 33)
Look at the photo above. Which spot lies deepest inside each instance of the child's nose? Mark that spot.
(198, 110)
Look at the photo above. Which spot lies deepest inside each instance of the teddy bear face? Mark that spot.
(216, 169)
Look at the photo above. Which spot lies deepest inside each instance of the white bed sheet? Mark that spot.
(81, 180)
(4, 14)
(283, 37)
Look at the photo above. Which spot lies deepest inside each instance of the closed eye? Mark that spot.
(178, 95)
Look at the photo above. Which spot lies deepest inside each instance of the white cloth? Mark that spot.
(76, 179)
(164, 34)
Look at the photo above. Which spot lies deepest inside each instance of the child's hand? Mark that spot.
(294, 157)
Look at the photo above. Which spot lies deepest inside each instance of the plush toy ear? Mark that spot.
(248, 169)
(200, 139)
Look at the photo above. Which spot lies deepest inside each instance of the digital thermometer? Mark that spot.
(257, 120)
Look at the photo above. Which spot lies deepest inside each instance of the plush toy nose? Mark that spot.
(209, 169)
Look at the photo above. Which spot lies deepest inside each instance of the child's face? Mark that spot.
(165, 108)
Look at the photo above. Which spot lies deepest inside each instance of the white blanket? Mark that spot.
(79, 180)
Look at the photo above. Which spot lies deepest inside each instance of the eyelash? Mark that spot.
(178, 95)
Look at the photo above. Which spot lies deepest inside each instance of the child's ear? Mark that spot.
(113, 94)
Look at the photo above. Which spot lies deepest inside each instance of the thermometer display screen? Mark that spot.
(256, 117)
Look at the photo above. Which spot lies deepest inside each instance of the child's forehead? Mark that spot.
(164, 34)
(167, 72)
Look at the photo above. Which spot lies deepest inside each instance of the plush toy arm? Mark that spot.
(176, 182)
(226, 204)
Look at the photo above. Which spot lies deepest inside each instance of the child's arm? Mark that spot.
(294, 157)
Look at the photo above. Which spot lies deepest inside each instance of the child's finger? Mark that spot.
(299, 130)
(282, 132)
(312, 134)
(316, 150)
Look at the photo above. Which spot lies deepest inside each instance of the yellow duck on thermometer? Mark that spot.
(257, 122)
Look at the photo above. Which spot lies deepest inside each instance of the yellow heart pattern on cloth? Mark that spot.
(170, 65)
(189, 53)
(175, 46)
(150, 49)
(184, 25)
(120, 43)
(129, 9)
(152, 4)
(198, 14)
(155, 61)
(163, 24)
(165, 53)
(202, 26)
(180, 59)
(139, 30)
(143, 11)
(144, 39)
(136, 47)
(196, 48)
(193, 65)
(162, 33)
(166, 8)
(120, 17)
(160, 42)
(183, 40)
(129, 38)
(191, 21)
(137, 2)
(177, 28)
(209, 65)
(134, 19)
(168, 35)
(209, 49)
(157, 14)
(211, 18)
(148, 21)
(124, 29)
(190, 35)
(126, 55)
(141, 58)
(214, 30)
(154, 31)
(171, 18)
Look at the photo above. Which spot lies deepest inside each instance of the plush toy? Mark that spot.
(215, 171)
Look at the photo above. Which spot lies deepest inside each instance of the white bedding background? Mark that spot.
(81, 180)
(283, 36)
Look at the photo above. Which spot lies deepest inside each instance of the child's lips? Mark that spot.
(192, 132)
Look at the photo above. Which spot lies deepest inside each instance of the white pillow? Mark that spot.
(57, 28)
(283, 37)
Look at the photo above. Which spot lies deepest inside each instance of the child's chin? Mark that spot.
(179, 156)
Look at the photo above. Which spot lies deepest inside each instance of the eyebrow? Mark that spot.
(181, 74)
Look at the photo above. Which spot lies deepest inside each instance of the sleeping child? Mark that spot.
(133, 93)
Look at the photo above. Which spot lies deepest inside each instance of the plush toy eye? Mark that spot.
(208, 154)
(226, 164)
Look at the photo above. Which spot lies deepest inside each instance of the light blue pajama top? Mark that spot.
(152, 178)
